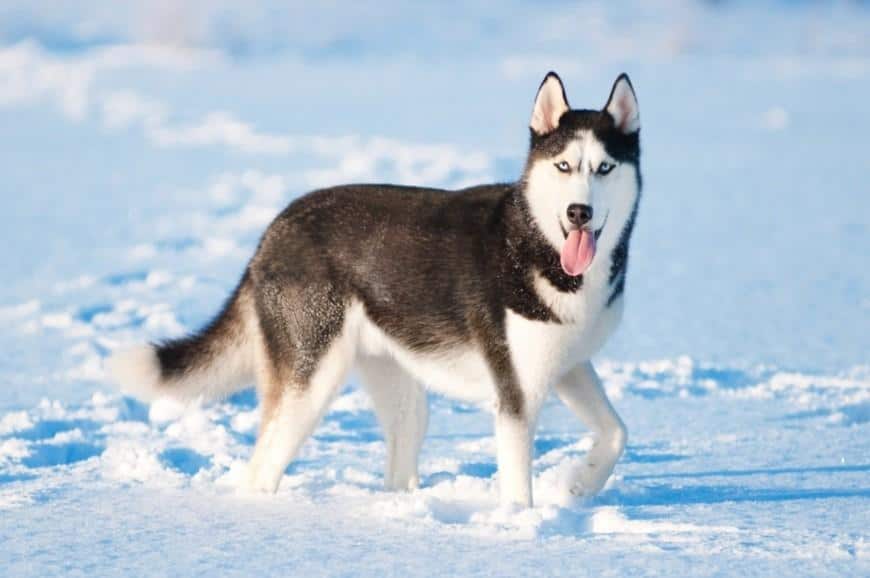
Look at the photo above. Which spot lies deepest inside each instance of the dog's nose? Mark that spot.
(579, 214)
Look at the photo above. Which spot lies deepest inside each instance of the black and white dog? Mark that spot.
(497, 292)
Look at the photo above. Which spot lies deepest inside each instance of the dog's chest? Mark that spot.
(543, 351)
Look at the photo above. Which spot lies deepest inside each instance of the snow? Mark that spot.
(142, 162)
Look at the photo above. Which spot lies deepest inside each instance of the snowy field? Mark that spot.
(144, 150)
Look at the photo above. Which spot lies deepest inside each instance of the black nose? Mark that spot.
(579, 214)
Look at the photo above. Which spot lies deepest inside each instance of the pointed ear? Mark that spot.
(550, 104)
(622, 105)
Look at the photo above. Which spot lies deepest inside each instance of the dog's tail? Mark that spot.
(214, 362)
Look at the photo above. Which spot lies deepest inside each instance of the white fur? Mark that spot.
(403, 412)
(581, 390)
(513, 439)
(137, 369)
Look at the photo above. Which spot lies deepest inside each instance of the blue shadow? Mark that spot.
(184, 460)
(48, 455)
(87, 314)
(9, 478)
(754, 472)
(478, 469)
(665, 495)
(247, 399)
(124, 278)
(49, 428)
(548, 444)
(634, 456)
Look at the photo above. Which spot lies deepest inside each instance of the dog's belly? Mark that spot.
(542, 352)
(459, 372)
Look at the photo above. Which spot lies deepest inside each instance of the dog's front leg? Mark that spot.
(520, 391)
(513, 434)
(581, 390)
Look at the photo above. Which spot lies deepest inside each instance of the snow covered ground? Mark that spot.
(145, 150)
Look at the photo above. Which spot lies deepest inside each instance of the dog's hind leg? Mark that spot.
(292, 417)
(582, 392)
(403, 412)
(304, 360)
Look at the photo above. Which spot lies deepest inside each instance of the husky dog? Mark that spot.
(493, 293)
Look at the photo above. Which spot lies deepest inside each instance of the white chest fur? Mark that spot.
(544, 351)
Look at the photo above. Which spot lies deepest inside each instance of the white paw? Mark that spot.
(402, 483)
(591, 480)
(254, 483)
(580, 491)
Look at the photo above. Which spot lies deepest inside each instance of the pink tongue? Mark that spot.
(577, 252)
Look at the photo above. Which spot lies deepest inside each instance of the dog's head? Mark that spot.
(582, 173)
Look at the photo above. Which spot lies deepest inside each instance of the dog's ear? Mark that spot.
(550, 104)
(622, 105)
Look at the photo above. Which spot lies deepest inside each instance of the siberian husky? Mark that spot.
(494, 293)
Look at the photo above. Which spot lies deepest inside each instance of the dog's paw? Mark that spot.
(578, 490)
(590, 480)
(582, 490)
(402, 483)
(253, 483)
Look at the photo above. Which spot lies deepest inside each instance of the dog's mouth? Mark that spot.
(579, 248)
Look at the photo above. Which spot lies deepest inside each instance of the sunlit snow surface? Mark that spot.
(141, 161)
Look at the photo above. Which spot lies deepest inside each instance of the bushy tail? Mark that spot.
(216, 361)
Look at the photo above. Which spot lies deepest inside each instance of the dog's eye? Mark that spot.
(605, 168)
(563, 166)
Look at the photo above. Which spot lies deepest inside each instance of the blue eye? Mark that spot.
(605, 168)
(563, 166)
